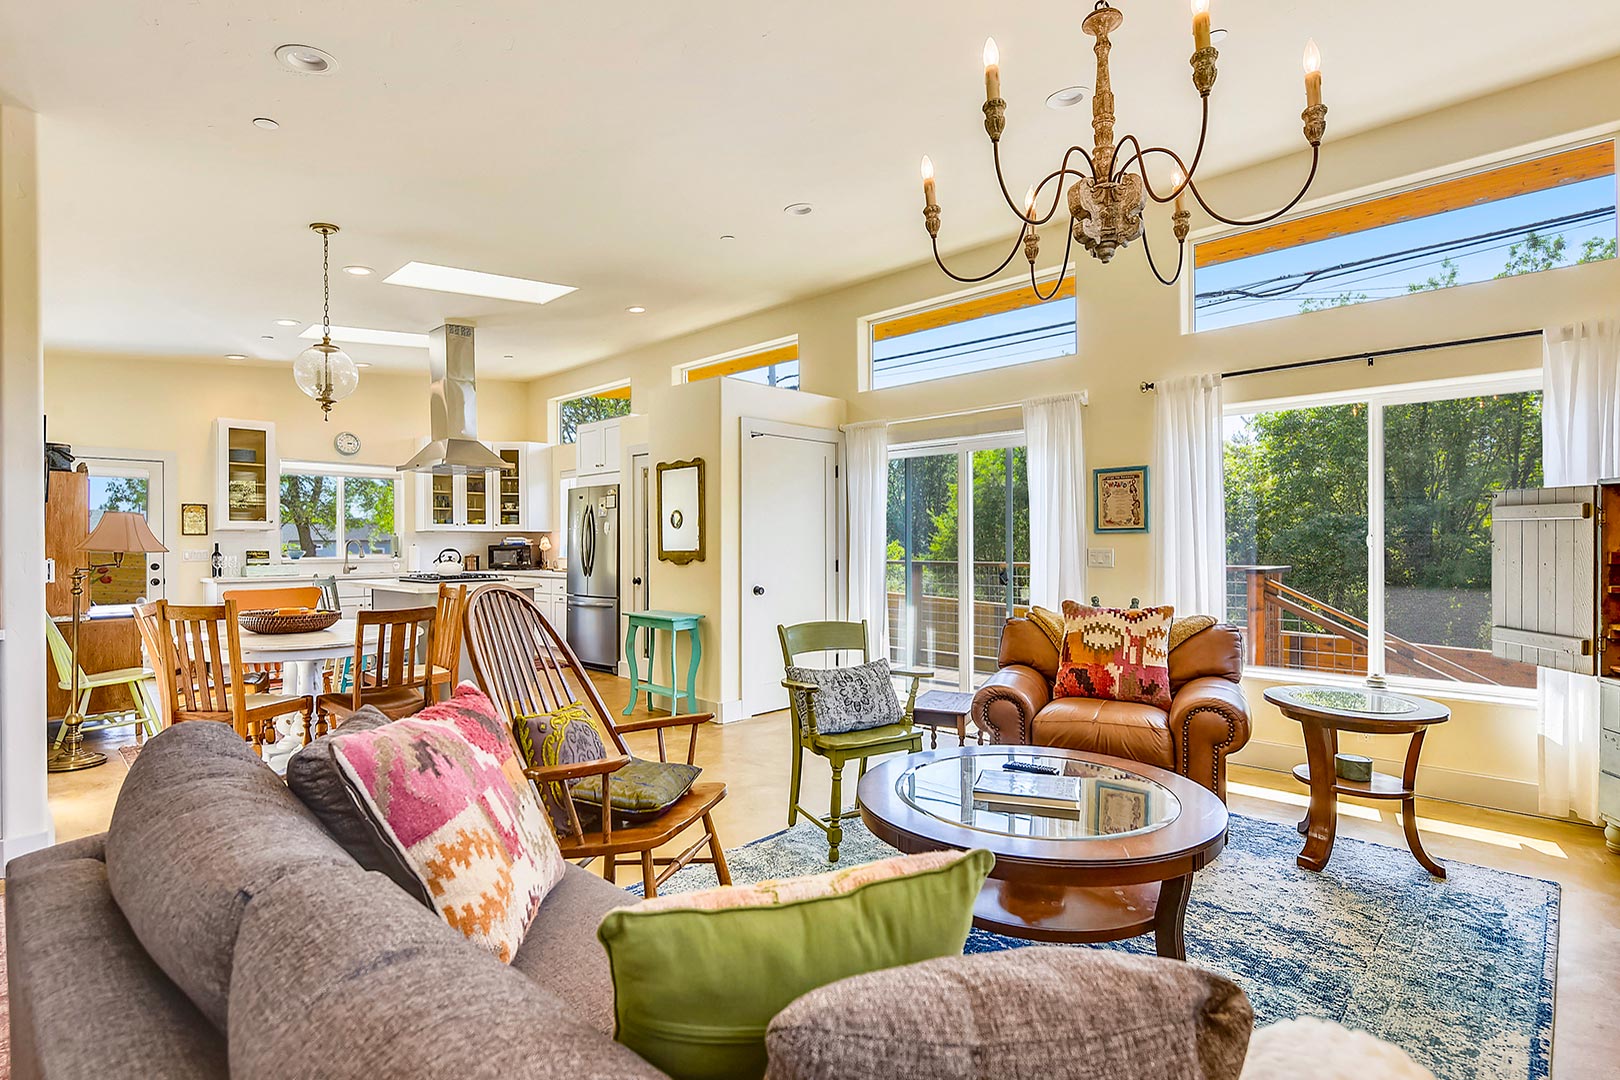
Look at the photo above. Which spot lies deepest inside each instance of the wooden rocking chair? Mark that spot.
(527, 669)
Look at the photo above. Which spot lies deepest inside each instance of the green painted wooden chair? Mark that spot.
(142, 714)
(817, 639)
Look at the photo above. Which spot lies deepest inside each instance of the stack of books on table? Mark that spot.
(1004, 791)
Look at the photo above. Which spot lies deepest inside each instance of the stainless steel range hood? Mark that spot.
(454, 448)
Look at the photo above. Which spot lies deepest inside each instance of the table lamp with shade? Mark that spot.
(545, 546)
(119, 532)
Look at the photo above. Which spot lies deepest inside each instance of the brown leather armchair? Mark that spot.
(1208, 717)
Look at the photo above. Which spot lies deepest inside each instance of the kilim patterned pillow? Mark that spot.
(1115, 654)
(446, 790)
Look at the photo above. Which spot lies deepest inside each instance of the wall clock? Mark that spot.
(347, 443)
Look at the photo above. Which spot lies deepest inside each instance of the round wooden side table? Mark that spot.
(1323, 712)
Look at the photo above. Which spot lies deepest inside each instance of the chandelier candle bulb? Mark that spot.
(1313, 74)
(992, 70)
(928, 180)
(1200, 14)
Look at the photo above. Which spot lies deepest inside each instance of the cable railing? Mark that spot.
(925, 609)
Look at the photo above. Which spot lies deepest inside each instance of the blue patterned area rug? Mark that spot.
(1458, 973)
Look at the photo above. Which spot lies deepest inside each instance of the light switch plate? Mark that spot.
(196, 554)
(1103, 557)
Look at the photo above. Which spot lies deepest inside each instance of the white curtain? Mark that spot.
(1189, 496)
(1580, 444)
(866, 457)
(1057, 500)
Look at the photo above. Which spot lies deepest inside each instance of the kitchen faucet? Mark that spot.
(347, 569)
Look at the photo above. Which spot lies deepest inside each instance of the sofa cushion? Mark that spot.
(341, 976)
(1014, 1015)
(314, 776)
(72, 960)
(1118, 654)
(698, 976)
(446, 791)
(856, 698)
(1117, 728)
(200, 826)
(561, 953)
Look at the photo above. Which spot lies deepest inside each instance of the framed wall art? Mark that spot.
(193, 519)
(1119, 499)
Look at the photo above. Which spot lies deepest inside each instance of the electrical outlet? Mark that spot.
(196, 555)
(1103, 557)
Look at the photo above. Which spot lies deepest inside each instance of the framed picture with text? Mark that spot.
(1119, 499)
(193, 519)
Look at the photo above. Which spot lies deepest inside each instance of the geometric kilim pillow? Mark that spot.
(446, 791)
(1115, 654)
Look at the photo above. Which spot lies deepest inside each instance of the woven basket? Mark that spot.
(271, 622)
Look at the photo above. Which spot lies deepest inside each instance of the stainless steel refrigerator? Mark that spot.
(593, 575)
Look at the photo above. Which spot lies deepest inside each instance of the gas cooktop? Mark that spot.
(469, 575)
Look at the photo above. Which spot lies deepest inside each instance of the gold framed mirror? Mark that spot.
(681, 524)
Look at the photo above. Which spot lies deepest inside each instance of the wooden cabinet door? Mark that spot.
(1544, 589)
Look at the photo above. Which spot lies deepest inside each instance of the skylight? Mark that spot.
(359, 335)
(420, 275)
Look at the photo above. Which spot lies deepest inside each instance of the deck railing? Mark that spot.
(925, 603)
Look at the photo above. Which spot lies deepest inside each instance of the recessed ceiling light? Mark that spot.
(268, 337)
(636, 310)
(359, 271)
(798, 209)
(727, 236)
(359, 335)
(286, 322)
(265, 122)
(235, 356)
(306, 59)
(508, 356)
(452, 279)
(1217, 35)
(1067, 98)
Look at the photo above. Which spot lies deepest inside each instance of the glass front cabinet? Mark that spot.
(511, 500)
(247, 474)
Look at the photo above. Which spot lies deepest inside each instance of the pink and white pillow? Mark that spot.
(446, 791)
(1117, 654)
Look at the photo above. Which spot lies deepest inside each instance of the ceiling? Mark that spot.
(610, 146)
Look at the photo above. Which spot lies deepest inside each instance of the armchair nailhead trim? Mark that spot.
(1220, 747)
(995, 693)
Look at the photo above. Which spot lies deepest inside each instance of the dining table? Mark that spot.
(302, 657)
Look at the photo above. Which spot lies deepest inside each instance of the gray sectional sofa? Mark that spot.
(216, 930)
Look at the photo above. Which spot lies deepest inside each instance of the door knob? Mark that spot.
(759, 590)
(155, 581)
(635, 581)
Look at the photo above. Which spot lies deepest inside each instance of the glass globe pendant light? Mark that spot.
(324, 371)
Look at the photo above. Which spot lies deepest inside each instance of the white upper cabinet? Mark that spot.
(247, 475)
(597, 445)
(515, 500)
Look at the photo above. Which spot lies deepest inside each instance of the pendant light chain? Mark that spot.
(326, 285)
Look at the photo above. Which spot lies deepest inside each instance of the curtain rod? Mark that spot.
(1374, 354)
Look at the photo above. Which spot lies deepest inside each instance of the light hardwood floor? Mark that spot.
(751, 757)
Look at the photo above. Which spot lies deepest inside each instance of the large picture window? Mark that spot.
(1551, 211)
(978, 333)
(324, 509)
(588, 408)
(1359, 532)
(958, 559)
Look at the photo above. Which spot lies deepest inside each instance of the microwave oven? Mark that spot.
(511, 556)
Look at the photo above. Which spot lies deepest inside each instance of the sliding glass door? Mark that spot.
(958, 554)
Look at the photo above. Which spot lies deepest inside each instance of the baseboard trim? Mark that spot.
(1447, 785)
(725, 712)
(15, 846)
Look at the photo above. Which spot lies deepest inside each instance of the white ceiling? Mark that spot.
(608, 146)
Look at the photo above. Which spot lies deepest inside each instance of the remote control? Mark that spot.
(1030, 767)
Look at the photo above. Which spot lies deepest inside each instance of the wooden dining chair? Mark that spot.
(388, 650)
(527, 669)
(293, 596)
(202, 654)
(149, 624)
(444, 666)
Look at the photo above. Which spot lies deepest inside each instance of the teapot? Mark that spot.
(448, 563)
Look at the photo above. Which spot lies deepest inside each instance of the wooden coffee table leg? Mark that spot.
(1409, 808)
(1170, 918)
(1320, 744)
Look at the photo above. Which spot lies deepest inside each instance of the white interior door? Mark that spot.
(790, 563)
(638, 530)
(129, 483)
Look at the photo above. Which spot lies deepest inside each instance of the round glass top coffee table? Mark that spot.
(1102, 851)
(1323, 712)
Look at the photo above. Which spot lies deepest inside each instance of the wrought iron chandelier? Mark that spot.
(324, 371)
(1108, 197)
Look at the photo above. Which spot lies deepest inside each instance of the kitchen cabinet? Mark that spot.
(247, 475)
(597, 447)
(517, 500)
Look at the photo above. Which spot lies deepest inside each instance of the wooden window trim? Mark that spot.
(718, 369)
(1522, 178)
(977, 307)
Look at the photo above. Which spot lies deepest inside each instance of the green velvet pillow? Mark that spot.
(697, 977)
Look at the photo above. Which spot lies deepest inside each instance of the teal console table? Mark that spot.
(675, 622)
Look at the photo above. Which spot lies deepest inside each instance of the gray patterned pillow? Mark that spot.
(848, 698)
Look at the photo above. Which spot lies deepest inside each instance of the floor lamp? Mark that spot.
(119, 532)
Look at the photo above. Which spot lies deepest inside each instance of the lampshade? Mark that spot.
(121, 531)
(545, 543)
